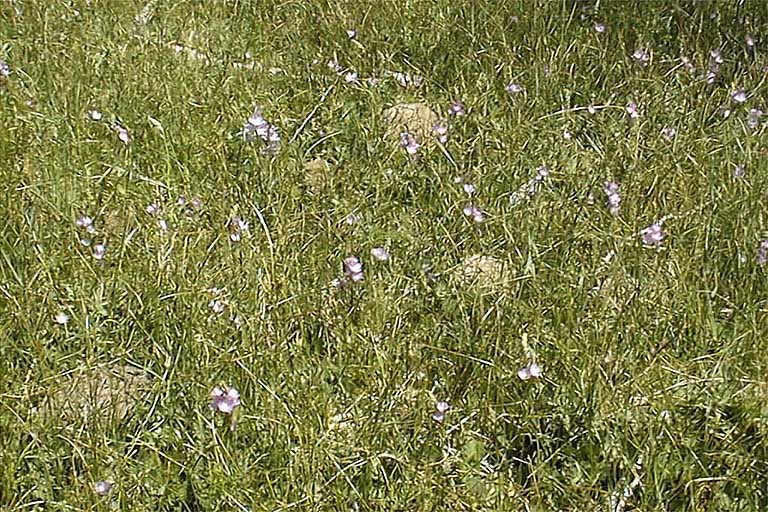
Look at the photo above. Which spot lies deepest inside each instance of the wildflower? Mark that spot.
(687, 64)
(352, 219)
(61, 318)
(567, 135)
(456, 108)
(542, 172)
(237, 227)
(95, 115)
(668, 133)
(152, 209)
(102, 487)
(473, 211)
(514, 88)
(5, 69)
(122, 134)
(409, 143)
(762, 253)
(739, 96)
(611, 189)
(225, 400)
(85, 242)
(99, 250)
(441, 132)
(162, 224)
(257, 126)
(753, 118)
(641, 57)
(380, 253)
(84, 222)
(429, 271)
(353, 269)
(750, 41)
(351, 33)
(711, 76)
(406, 79)
(716, 56)
(373, 81)
(633, 110)
(532, 371)
(600, 28)
(217, 305)
(591, 109)
(469, 188)
(334, 65)
(441, 407)
(350, 77)
(739, 172)
(652, 235)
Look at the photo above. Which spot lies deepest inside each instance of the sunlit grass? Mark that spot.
(653, 358)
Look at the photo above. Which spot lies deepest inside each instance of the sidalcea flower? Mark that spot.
(409, 143)
(668, 133)
(102, 487)
(456, 108)
(99, 251)
(532, 371)
(739, 171)
(473, 211)
(380, 253)
(753, 118)
(653, 235)
(217, 306)
(762, 253)
(441, 132)
(600, 28)
(61, 318)
(641, 57)
(225, 400)
(613, 198)
(514, 88)
(715, 56)
(469, 188)
(256, 126)
(441, 407)
(353, 269)
(122, 133)
(5, 69)
(237, 228)
(633, 110)
(739, 96)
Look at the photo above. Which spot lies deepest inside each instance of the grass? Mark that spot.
(654, 360)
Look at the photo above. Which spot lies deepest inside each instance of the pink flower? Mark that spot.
(532, 371)
(441, 408)
(225, 400)
(653, 236)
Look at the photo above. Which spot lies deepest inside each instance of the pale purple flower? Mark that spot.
(334, 65)
(532, 371)
(441, 407)
(641, 57)
(668, 133)
(99, 251)
(353, 269)
(762, 253)
(84, 222)
(5, 69)
(162, 224)
(102, 487)
(716, 56)
(257, 126)
(473, 211)
(350, 77)
(469, 188)
(739, 171)
(217, 306)
(456, 108)
(753, 118)
(409, 143)
(600, 28)
(567, 135)
(711, 76)
(441, 132)
(122, 134)
(653, 235)
(152, 209)
(380, 253)
(61, 318)
(237, 228)
(613, 198)
(85, 242)
(351, 33)
(542, 172)
(750, 41)
(514, 88)
(739, 96)
(225, 400)
(95, 115)
(633, 110)
(352, 219)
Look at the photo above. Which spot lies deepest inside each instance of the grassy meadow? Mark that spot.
(408, 255)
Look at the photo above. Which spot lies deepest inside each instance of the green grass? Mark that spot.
(654, 360)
